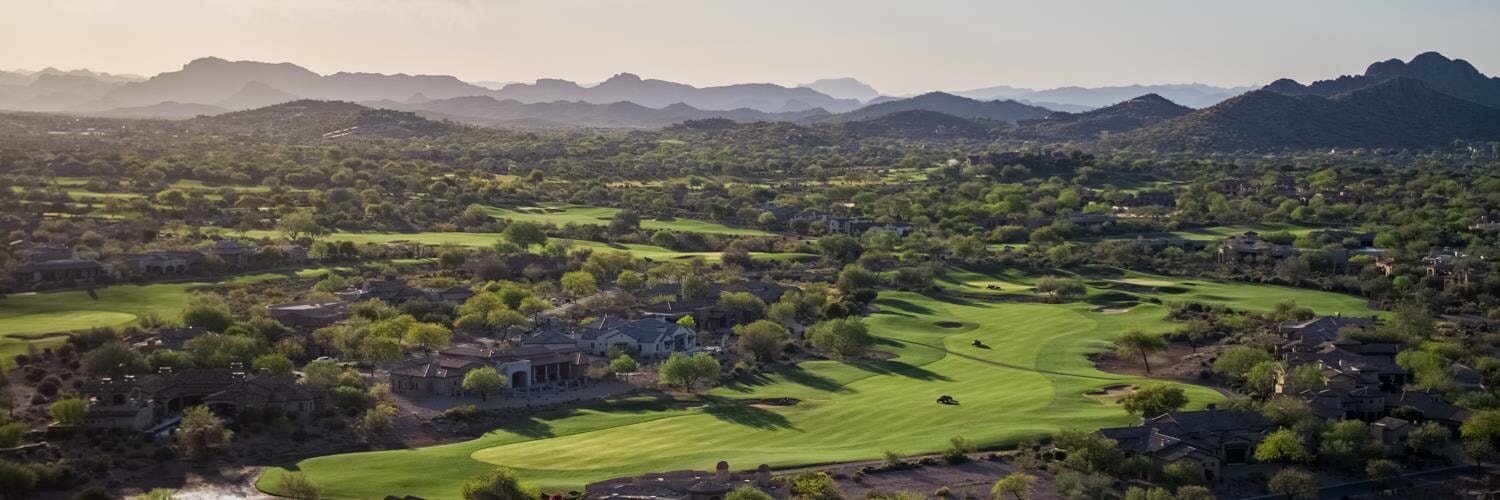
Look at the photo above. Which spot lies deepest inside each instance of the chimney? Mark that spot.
(721, 472)
(763, 476)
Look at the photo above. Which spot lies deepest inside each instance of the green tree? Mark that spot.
(1154, 399)
(202, 433)
(855, 278)
(1060, 287)
(745, 302)
(1481, 437)
(630, 281)
(1295, 484)
(685, 371)
(113, 359)
(815, 486)
(1194, 492)
(841, 337)
(579, 284)
(16, 480)
(483, 381)
(274, 364)
(1237, 361)
(375, 350)
(762, 339)
(525, 234)
(1284, 445)
(499, 484)
(429, 336)
(747, 492)
(1018, 485)
(1427, 439)
(322, 374)
(1140, 343)
(207, 311)
(1385, 473)
(299, 224)
(70, 411)
(624, 364)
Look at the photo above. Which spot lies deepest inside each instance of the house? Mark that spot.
(309, 315)
(686, 485)
(1209, 439)
(165, 339)
(294, 254)
(137, 403)
(160, 263)
(526, 367)
(434, 376)
(670, 304)
(28, 251)
(1425, 406)
(652, 338)
(1391, 432)
(233, 253)
(393, 290)
(1312, 334)
(1451, 266)
(258, 395)
(1250, 246)
(118, 405)
(65, 272)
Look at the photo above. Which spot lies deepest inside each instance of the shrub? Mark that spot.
(69, 411)
(461, 413)
(499, 484)
(297, 485)
(16, 480)
(958, 450)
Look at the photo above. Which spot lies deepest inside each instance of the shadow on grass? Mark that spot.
(530, 427)
(898, 368)
(739, 413)
(904, 306)
(794, 374)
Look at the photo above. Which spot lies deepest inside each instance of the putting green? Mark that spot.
(563, 214)
(1029, 382)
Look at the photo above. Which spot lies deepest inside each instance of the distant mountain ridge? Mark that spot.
(1120, 117)
(1193, 95)
(949, 104)
(659, 93)
(1396, 113)
(1455, 77)
(844, 88)
(486, 110)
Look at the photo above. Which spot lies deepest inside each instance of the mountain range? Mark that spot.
(1429, 100)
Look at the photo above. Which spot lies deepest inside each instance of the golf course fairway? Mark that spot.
(1029, 382)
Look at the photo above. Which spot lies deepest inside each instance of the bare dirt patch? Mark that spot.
(1178, 362)
(1110, 310)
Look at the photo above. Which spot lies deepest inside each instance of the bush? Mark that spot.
(16, 481)
(958, 450)
(296, 485)
(461, 413)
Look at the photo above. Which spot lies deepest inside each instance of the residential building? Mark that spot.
(651, 338)
(309, 315)
(1209, 439)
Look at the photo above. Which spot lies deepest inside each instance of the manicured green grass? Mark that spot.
(1114, 285)
(45, 319)
(1030, 382)
(560, 214)
(1216, 233)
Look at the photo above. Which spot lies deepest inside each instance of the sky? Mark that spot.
(897, 46)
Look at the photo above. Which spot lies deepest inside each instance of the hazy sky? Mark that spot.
(897, 46)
